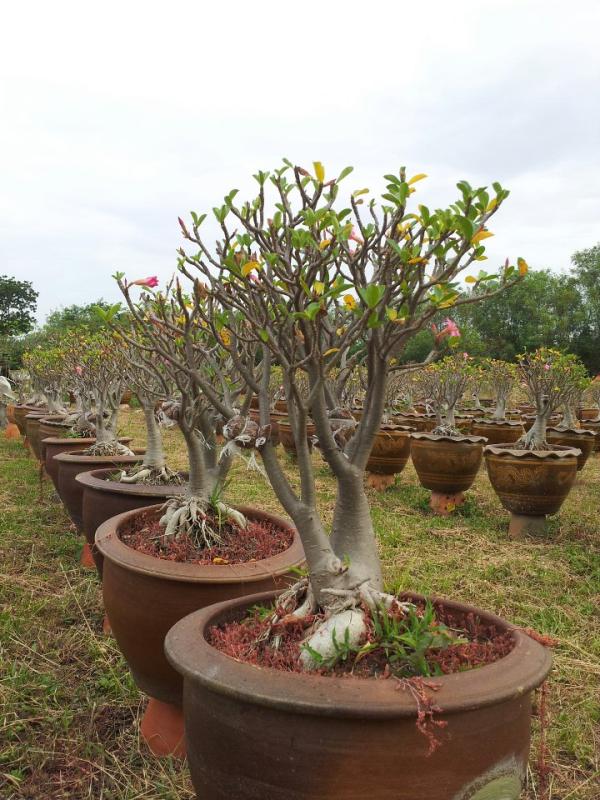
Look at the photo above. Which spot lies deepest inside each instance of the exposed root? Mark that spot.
(426, 708)
(192, 516)
(446, 430)
(108, 449)
(151, 476)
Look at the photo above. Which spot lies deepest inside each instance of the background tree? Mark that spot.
(18, 302)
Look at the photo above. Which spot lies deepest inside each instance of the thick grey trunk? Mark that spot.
(500, 410)
(535, 438)
(569, 420)
(449, 416)
(106, 427)
(154, 456)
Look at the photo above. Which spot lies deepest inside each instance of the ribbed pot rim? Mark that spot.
(112, 548)
(61, 440)
(507, 449)
(436, 437)
(36, 415)
(186, 648)
(94, 480)
(508, 422)
(576, 431)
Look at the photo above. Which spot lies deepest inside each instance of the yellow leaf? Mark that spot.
(418, 260)
(331, 350)
(480, 236)
(325, 243)
(492, 205)
(411, 190)
(416, 178)
(392, 314)
(349, 301)
(319, 170)
(470, 279)
(225, 337)
(318, 287)
(219, 560)
(523, 266)
(481, 258)
(248, 267)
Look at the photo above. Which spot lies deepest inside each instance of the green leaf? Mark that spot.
(371, 294)
(344, 173)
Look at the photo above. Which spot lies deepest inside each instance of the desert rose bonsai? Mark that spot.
(501, 377)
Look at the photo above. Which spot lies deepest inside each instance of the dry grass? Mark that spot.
(69, 709)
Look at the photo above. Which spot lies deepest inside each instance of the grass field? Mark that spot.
(69, 709)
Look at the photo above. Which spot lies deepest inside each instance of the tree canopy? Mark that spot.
(18, 302)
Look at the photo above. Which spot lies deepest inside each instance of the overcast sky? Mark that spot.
(117, 117)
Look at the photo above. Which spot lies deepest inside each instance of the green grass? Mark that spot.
(69, 710)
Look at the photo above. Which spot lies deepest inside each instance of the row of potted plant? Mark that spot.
(313, 682)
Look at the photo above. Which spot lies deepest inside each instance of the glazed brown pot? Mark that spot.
(594, 427)
(51, 427)
(286, 437)
(531, 483)
(390, 451)
(275, 418)
(578, 438)
(32, 432)
(21, 412)
(281, 406)
(54, 445)
(413, 419)
(267, 734)
(497, 431)
(463, 423)
(587, 412)
(103, 499)
(71, 463)
(145, 596)
(446, 465)
(126, 397)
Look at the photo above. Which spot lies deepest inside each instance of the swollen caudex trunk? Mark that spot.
(569, 421)
(107, 443)
(500, 410)
(535, 438)
(153, 469)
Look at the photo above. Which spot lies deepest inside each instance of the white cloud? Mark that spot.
(117, 118)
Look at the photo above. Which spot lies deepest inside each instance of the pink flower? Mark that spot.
(149, 282)
(465, 356)
(355, 237)
(79, 370)
(450, 328)
(546, 367)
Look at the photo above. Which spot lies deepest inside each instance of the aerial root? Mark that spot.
(191, 516)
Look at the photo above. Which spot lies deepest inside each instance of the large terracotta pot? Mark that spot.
(266, 734)
(463, 423)
(497, 431)
(71, 463)
(447, 465)
(413, 419)
(54, 445)
(145, 596)
(592, 425)
(578, 438)
(286, 437)
(389, 455)
(531, 484)
(21, 412)
(587, 412)
(103, 499)
(275, 418)
(51, 427)
(32, 432)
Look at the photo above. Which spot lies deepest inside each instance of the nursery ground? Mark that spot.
(69, 709)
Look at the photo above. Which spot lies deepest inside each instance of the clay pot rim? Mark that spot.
(577, 431)
(462, 439)
(61, 440)
(36, 415)
(186, 648)
(507, 449)
(92, 481)
(74, 457)
(508, 422)
(389, 429)
(110, 545)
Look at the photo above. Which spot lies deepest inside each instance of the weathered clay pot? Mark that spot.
(463, 422)
(286, 437)
(103, 499)
(389, 455)
(531, 484)
(591, 425)
(71, 463)
(587, 412)
(497, 431)
(447, 465)
(275, 418)
(578, 438)
(471, 411)
(281, 406)
(145, 596)
(263, 733)
(54, 445)
(51, 427)
(32, 432)
(126, 397)
(21, 412)
(413, 419)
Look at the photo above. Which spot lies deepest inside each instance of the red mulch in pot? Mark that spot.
(259, 540)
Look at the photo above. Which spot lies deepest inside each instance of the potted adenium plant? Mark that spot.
(502, 378)
(446, 459)
(288, 682)
(532, 477)
(592, 423)
(163, 562)
(568, 431)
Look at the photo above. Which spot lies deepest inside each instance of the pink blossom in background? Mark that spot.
(149, 282)
(450, 327)
(546, 367)
(79, 370)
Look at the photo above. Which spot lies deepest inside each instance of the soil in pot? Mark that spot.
(447, 465)
(497, 431)
(104, 496)
(349, 736)
(389, 455)
(531, 484)
(145, 595)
